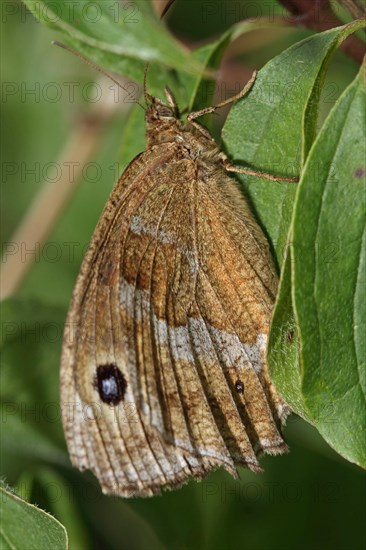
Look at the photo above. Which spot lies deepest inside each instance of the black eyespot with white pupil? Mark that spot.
(239, 386)
(111, 384)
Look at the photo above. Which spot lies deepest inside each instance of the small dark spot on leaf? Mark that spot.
(290, 336)
(360, 172)
(239, 386)
(110, 383)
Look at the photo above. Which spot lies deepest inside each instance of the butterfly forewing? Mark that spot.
(164, 373)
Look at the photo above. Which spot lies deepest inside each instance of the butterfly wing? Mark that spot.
(163, 371)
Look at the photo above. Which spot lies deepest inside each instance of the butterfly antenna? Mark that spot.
(146, 95)
(94, 66)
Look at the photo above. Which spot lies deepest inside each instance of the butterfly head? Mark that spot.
(162, 118)
(158, 111)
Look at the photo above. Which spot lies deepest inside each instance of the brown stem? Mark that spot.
(47, 206)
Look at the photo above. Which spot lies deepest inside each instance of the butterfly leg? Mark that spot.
(240, 170)
(192, 116)
(227, 164)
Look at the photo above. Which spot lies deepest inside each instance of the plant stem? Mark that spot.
(48, 205)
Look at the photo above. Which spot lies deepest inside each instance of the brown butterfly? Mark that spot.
(164, 372)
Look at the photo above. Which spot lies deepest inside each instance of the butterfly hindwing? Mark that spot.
(176, 293)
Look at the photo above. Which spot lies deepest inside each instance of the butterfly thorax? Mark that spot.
(163, 126)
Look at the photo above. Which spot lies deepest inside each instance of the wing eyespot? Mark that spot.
(110, 383)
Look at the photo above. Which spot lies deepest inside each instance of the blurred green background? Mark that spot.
(310, 498)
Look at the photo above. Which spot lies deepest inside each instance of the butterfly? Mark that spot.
(164, 374)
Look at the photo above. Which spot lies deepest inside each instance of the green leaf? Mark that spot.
(120, 37)
(311, 112)
(21, 437)
(60, 500)
(329, 276)
(267, 131)
(31, 335)
(133, 139)
(210, 55)
(283, 345)
(23, 525)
